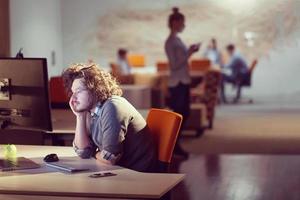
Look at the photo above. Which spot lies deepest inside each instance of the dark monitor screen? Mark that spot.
(24, 98)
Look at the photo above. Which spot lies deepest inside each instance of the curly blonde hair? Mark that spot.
(100, 83)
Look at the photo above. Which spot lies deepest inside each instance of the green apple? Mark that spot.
(10, 151)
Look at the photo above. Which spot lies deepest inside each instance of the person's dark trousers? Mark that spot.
(236, 81)
(180, 103)
(242, 79)
(225, 79)
(180, 99)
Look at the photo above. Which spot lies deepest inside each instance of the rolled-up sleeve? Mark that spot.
(87, 152)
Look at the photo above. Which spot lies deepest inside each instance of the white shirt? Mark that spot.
(213, 55)
(124, 66)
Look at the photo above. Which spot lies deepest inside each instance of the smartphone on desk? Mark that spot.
(103, 174)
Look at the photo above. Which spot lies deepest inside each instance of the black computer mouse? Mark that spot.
(51, 158)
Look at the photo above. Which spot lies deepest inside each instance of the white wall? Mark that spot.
(80, 22)
(80, 19)
(36, 27)
(277, 75)
(68, 27)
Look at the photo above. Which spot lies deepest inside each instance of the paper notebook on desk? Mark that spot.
(19, 163)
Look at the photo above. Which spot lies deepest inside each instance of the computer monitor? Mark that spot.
(24, 97)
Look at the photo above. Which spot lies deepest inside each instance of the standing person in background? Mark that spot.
(212, 52)
(124, 67)
(179, 80)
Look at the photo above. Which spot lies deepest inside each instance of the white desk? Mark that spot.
(50, 182)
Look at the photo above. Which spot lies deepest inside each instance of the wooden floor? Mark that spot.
(253, 153)
(238, 177)
(260, 128)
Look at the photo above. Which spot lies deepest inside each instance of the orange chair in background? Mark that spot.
(162, 66)
(136, 60)
(165, 126)
(122, 79)
(200, 65)
(58, 95)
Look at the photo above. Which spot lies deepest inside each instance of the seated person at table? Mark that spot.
(108, 127)
(212, 52)
(124, 67)
(237, 66)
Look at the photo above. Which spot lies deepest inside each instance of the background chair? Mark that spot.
(244, 81)
(122, 79)
(165, 126)
(199, 64)
(162, 66)
(136, 60)
(196, 66)
(58, 95)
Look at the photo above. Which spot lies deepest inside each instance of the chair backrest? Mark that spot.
(164, 125)
(199, 64)
(162, 66)
(246, 81)
(136, 60)
(114, 69)
(122, 79)
(253, 65)
(57, 91)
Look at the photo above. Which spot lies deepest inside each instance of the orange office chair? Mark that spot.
(162, 66)
(58, 95)
(136, 60)
(165, 126)
(200, 64)
(122, 79)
